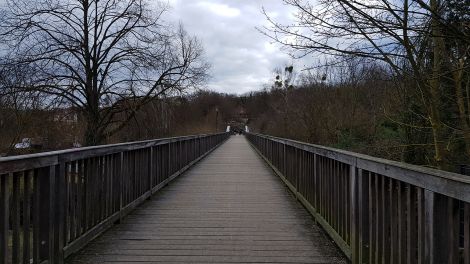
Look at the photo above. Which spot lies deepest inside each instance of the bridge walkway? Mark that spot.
(229, 208)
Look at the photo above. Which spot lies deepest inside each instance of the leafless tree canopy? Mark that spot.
(426, 44)
(385, 30)
(105, 57)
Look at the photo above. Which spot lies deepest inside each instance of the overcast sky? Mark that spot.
(242, 59)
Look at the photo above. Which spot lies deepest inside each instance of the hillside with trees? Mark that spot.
(422, 50)
(106, 59)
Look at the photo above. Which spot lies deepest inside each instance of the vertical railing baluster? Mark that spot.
(60, 208)
(47, 198)
(411, 228)
(363, 216)
(420, 225)
(27, 217)
(80, 197)
(393, 198)
(354, 216)
(151, 170)
(15, 218)
(466, 234)
(4, 217)
(36, 216)
(120, 185)
(438, 237)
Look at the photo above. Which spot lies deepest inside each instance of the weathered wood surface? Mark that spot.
(229, 208)
(377, 211)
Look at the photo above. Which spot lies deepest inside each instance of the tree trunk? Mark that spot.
(93, 134)
(438, 49)
(458, 79)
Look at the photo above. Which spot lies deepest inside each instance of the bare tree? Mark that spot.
(107, 58)
(283, 85)
(17, 110)
(409, 36)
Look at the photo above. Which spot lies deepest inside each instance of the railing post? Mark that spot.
(353, 203)
(439, 219)
(363, 212)
(151, 170)
(285, 159)
(315, 182)
(179, 151)
(121, 185)
(169, 160)
(4, 216)
(430, 226)
(199, 146)
(46, 192)
(59, 219)
(359, 200)
(299, 171)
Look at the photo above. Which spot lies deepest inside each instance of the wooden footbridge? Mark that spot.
(228, 199)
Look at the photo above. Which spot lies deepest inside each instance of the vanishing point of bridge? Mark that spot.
(238, 199)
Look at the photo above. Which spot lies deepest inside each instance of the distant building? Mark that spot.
(67, 115)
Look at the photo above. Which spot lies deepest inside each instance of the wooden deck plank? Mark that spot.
(229, 208)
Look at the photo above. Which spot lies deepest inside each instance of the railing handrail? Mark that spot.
(376, 210)
(422, 169)
(451, 184)
(13, 163)
(64, 199)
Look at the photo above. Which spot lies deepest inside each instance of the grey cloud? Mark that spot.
(242, 59)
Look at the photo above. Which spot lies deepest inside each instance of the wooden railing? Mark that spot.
(52, 204)
(377, 211)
